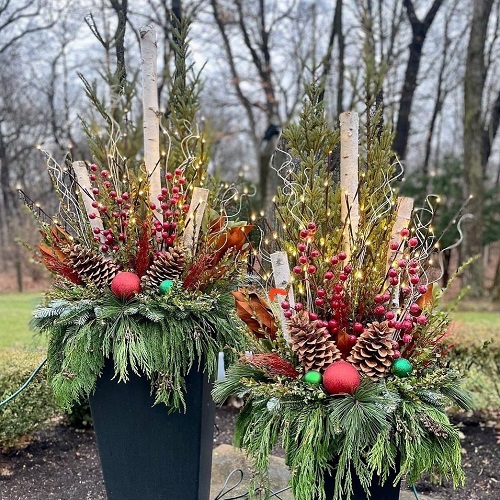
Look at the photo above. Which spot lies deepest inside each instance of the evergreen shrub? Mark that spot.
(34, 406)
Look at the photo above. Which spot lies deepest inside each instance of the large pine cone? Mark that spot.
(167, 265)
(312, 343)
(372, 355)
(92, 267)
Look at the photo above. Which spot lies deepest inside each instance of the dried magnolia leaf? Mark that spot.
(255, 313)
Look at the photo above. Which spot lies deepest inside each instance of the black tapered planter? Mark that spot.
(147, 454)
(387, 491)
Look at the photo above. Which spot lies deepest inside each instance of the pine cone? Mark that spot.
(91, 267)
(372, 354)
(167, 265)
(312, 343)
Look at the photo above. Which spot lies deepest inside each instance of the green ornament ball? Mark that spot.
(401, 367)
(165, 286)
(313, 378)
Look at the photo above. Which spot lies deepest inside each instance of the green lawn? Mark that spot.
(15, 314)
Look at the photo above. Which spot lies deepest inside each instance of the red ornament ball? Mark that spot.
(341, 377)
(125, 285)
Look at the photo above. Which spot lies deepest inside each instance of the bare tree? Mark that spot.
(474, 166)
(419, 29)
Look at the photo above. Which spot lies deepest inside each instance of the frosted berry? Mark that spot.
(422, 319)
(311, 269)
(396, 354)
(313, 316)
(320, 292)
(311, 226)
(302, 247)
(358, 328)
(422, 289)
(319, 301)
(299, 306)
(407, 338)
(394, 245)
(412, 242)
(404, 232)
(303, 259)
(285, 305)
(342, 256)
(314, 254)
(415, 310)
(288, 314)
(304, 234)
(407, 324)
(379, 310)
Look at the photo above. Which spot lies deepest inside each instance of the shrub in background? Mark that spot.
(476, 352)
(34, 406)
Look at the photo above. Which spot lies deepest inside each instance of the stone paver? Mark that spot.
(226, 459)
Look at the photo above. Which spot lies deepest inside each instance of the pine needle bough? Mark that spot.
(348, 369)
(142, 278)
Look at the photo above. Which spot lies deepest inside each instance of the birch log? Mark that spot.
(403, 216)
(194, 217)
(349, 181)
(151, 120)
(82, 176)
(282, 279)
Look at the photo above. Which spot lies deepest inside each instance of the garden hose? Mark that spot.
(21, 389)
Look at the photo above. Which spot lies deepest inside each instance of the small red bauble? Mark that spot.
(125, 285)
(341, 377)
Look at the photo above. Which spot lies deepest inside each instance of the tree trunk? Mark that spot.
(475, 75)
(419, 33)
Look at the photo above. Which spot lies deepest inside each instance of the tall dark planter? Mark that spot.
(147, 454)
(387, 491)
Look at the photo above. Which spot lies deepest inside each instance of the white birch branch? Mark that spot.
(349, 182)
(151, 123)
(194, 217)
(403, 217)
(282, 279)
(85, 187)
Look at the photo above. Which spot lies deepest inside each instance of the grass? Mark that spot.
(15, 314)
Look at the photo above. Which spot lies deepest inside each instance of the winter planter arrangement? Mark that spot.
(348, 366)
(144, 258)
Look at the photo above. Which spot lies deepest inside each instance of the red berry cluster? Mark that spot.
(172, 203)
(329, 293)
(113, 207)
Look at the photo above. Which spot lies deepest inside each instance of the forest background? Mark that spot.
(432, 64)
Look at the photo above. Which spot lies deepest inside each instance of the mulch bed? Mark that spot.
(62, 463)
